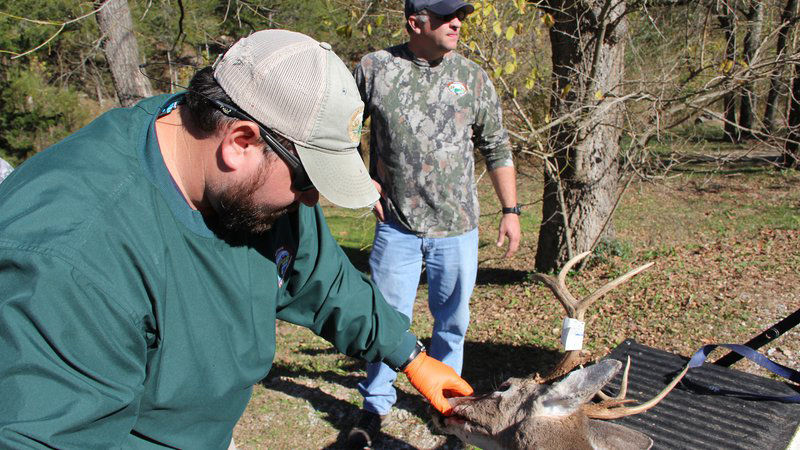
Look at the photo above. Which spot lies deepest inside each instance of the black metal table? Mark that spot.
(689, 418)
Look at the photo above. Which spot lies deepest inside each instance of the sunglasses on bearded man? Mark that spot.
(300, 180)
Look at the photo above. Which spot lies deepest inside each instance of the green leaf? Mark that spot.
(510, 32)
(345, 30)
(726, 66)
(529, 83)
(510, 67)
(566, 90)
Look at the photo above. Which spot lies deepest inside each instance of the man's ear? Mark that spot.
(240, 144)
(414, 25)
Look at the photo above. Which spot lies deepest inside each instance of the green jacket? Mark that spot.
(126, 323)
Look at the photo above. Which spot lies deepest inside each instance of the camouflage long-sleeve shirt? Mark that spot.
(426, 120)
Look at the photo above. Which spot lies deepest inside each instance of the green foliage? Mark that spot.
(34, 113)
(52, 91)
(209, 27)
(43, 93)
(362, 27)
(26, 24)
(509, 39)
(678, 47)
(607, 249)
(506, 37)
(352, 229)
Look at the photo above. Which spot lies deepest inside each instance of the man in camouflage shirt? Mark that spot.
(430, 107)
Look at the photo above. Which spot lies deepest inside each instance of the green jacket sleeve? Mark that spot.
(328, 295)
(71, 359)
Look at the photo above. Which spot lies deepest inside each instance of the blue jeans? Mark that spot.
(396, 262)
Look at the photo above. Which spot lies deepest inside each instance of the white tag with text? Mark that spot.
(572, 334)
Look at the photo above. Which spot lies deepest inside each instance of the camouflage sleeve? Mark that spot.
(489, 135)
(361, 82)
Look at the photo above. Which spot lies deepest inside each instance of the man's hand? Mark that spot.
(504, 182)
(436, 381)
(377, 208)
(509, 226)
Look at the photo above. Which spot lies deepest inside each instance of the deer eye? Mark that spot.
(503, 389)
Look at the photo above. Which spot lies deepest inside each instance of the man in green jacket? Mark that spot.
(145, 258)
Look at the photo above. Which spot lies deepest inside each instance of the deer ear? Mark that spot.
(612, 436)
(566, 396)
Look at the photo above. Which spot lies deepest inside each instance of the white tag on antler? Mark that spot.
(572, 334)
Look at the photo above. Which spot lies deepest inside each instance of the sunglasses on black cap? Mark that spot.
(300, 180)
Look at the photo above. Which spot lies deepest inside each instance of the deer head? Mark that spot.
(524, 414)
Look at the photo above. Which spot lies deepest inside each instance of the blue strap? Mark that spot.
(702, 354)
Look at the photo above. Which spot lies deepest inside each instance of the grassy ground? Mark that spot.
(726, 246)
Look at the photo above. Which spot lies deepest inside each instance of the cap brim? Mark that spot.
(339, 176)
(445, 8)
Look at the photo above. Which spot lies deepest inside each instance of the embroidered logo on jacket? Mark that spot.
(283, 260)
(457, 87)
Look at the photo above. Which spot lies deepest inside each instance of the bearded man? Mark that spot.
(145, 258)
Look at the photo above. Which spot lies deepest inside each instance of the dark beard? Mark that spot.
(237, 213)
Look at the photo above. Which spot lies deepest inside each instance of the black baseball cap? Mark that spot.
(439, 7)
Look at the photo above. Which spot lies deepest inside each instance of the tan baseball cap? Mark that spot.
(298, 88)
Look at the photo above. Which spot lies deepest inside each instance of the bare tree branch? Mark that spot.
(60, 25)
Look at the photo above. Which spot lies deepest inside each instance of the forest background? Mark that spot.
(643, 130)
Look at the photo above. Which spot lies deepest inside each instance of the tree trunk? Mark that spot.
(776, 82)
(755, 18)
(581, 179)
(122, 52)
(727, 20)
(791, 153)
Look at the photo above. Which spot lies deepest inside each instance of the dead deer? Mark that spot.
(526, 413)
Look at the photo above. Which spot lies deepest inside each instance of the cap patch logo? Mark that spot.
(354, 126)
(283, 260)
(457, 87)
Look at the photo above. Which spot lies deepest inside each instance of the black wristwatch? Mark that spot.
(419, 348)
(516, 209)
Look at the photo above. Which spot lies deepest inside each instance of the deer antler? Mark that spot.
(576, 309)
(613, 407)
(623, 388)
(610, 407)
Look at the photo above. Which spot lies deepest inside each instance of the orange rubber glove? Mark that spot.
(436, 381)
